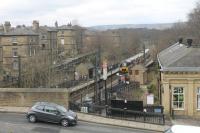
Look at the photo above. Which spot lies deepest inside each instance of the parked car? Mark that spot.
(183, 129)
(51, 112)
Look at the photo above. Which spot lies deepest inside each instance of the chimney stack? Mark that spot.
(69, 24)
(35, 25)
(18, 26)
(7, 26)
(189, 42)
(180, 40)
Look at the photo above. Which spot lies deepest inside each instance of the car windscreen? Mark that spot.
(61, 108)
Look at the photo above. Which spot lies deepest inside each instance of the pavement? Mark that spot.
(185, 121)
(17, 123)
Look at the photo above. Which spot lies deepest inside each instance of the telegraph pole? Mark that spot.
(106, 94)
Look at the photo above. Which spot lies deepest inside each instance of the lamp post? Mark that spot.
(99, 88)
(105, 78)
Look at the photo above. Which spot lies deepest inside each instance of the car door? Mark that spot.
(40, 113)
(51, 114)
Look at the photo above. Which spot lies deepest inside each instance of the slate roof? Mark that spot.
(180, 57)
(46, 28)
(65, 27)
(27, 31)
(20, 31)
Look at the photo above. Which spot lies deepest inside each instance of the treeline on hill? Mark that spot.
(122, 43)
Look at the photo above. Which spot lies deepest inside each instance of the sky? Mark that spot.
(94, 12)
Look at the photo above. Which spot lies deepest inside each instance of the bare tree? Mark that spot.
(194, 20)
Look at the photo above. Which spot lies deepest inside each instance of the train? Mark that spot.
(132, 60)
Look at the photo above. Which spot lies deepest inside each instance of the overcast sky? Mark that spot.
(95, 12)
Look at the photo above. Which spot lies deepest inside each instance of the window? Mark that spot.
(14, 52)
(43, 36)
(62, 32)
(34, 51)
(14, 40)
(62, 41)
(198, 98)
(136, 72)
(1, 54)
(72, 41)
(15, 65)
(30, 51)
(43, 46)
(30, 39)
(178, 98)
(50, 109)
(130, 72)
(40, 107)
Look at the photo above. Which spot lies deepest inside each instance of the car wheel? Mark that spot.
(64, 123)
(32, 118)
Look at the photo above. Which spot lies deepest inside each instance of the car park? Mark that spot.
(51, 112)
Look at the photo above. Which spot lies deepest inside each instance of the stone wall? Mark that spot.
(26, 97)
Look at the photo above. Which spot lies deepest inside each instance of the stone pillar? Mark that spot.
(189, 98)
(166, 98)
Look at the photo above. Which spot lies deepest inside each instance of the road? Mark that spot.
(16, 123)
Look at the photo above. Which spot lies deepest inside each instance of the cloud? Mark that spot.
(95, 12)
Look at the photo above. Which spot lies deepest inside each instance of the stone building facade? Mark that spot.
(47, 36)
(69, 40)
(138, 73)
(180, 80)
(17, 44)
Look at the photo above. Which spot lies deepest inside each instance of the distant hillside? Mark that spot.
(148, 26)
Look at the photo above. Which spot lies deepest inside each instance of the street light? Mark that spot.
(99, 88)
(105, 78)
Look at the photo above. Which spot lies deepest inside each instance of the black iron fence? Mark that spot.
(117, 113)
(139, 116)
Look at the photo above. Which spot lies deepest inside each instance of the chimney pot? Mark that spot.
(7, 26)
(35, 25)
(180, 40)
(189, 42)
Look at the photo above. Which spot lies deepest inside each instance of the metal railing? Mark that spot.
(117, 113)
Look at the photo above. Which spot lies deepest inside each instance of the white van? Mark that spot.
(183, 129)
